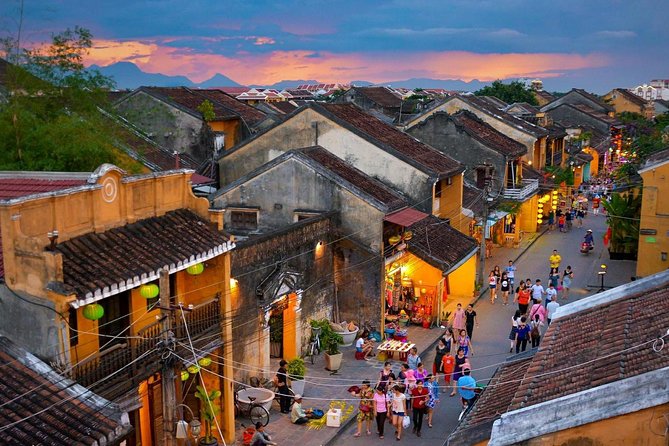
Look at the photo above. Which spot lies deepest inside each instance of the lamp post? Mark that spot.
(182, 426)
(602, 273)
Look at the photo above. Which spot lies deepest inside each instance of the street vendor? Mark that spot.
(299, 415)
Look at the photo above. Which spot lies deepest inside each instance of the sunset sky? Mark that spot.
(594, 44)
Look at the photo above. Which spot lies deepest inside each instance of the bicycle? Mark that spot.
(315, 344)
(253, 411)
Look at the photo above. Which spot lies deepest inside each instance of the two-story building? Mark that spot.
(598, 385)
(486, 153)
(185, 120)
(373, 265)
(533, 137)
(84, 267)
(654, 224)
(624, 100)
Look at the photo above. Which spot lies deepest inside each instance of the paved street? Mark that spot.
(490, 339)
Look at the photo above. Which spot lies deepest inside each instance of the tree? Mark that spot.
(515, 91)
(623, 214)
(50, 119)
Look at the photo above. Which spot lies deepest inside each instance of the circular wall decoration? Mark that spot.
(109, 190)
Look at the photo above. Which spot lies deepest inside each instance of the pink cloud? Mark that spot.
(329, 67)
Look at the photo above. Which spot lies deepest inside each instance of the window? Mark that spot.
(244, 220)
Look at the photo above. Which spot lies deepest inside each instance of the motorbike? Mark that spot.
(586, 248)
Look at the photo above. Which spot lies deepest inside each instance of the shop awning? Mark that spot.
(497, 216)
(405, 217)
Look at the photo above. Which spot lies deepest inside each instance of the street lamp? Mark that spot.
(602, 273)
(182, 426)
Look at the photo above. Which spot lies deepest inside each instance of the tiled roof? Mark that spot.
(511, 120)
(603, 336)
(487, 135)
(439, 244)
(631, 97)
(594, 98)
(190, 100)
(657, 158)
(20, 184)
(57, 411)
(382, 96)
(234, 91)
(251, 115)
(388, 136)
(472, 199)
(494, 101)
(154, 156)
(97, 265)
(522, 108)
(359, 179)
(284, 107)
(545, 95)
(492, 403)
(597, 114)
(114, 96)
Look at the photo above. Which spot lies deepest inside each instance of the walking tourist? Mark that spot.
(365, 408)
(551, 307)
(511, 274)
(535, 330)
(522, 335)
(465, 343)
(470, 320)
(459, 319)
(419, 397)
(566, 282)
(492, 284)
(439, 352)
(554, 260)
(433, 390)
(515, 322)
(460, 361)
(380, 409)
(398, 405)
(523, 297)
(413, 359)
(505, 287)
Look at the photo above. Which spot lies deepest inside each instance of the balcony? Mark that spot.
(527, 189)
(110, 373)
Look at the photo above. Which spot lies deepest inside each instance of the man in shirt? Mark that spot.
(466, 386)
(551, 307)
(555, 259)
(297, 414)
(537, 291)
(511, 274)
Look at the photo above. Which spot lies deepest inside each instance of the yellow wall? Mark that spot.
(231, 130)
(655, 216)
(527, 218)
(594, 164)
(645, 427)
(461, 281)
(621, 104)
(578, 176)
(450, 204)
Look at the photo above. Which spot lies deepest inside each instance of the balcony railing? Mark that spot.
(203, 323)
(528, 188)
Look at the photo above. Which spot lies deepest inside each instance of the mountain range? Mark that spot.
(127, 75)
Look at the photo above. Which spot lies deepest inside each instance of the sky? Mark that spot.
(592, 44)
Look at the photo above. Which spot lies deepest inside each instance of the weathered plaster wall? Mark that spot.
(309, 128)
(168, 126)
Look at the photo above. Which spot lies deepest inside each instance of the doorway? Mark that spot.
(116, 319)
(276, 333)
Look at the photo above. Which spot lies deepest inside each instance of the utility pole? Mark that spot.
(168, 344)
(484, 224)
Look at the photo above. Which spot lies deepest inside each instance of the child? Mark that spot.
(448, 364)
(561, 221)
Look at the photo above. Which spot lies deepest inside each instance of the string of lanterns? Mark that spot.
(544, 202)
(95, 311)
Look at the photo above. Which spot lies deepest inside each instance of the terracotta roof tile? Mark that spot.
(493, 402)
(251, 115)
(22, 185)
(608, 332)
(430, 158)
(94, 261)
(487, 135)
(190, 101)
(657, 157)
(511, 120)
(439, 244)
(61, 412)
(367, 184)
(382, 96)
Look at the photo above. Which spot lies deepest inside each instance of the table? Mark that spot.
(392, 346)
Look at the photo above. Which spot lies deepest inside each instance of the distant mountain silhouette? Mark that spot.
(287, 84)
(127, 75)
(218, 80)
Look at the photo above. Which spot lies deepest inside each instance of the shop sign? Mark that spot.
(651, 240)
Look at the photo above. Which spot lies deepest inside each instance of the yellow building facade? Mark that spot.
(66, 250)
(654, 224)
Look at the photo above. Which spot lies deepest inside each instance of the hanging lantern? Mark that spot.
(196, 269)
(204, 362)
(193, 369)
(540, 221)
(395, 239)
(149, 291)
(407, 235)
(93, 312)
(184, 375)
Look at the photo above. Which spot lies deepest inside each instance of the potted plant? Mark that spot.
(296, 371)
(333, 356)
(210, 410)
